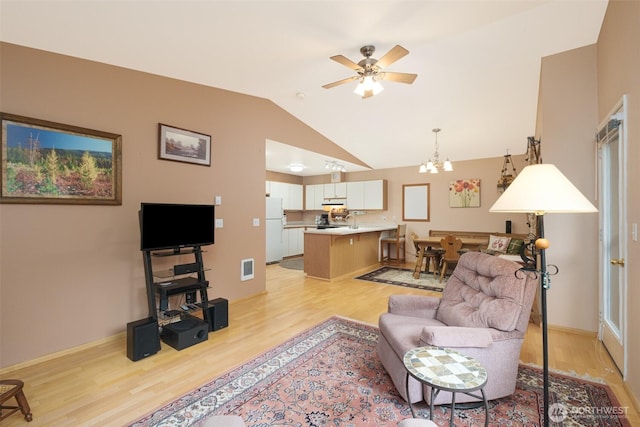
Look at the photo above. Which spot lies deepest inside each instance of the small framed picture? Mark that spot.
(464, 193)
(55, 163)
(182, 145)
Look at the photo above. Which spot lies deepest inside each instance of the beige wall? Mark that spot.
(70, 275)
(442, 217)
(619, 74)
(568, 110)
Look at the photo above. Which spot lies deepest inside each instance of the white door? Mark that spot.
(613, 245)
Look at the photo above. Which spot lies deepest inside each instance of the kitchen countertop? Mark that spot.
(299, 224)
(340, 231)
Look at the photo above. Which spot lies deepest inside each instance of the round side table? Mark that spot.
(445, 369)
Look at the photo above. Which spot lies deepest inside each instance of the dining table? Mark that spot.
(428, 243)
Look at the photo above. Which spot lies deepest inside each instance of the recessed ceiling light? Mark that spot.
(296, 168)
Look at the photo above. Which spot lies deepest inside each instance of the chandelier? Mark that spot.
(506, 178)
(434, 165)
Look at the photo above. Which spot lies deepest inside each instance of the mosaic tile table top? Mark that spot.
(445, 369)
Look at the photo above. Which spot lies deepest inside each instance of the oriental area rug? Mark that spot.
(330, 375)
(404, 277)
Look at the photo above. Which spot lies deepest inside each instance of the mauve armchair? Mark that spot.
(483, 313)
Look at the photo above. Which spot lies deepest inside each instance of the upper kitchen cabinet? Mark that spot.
(367, 195)
(314, 196)
(337, 190)
(291, 194)
(295, 197)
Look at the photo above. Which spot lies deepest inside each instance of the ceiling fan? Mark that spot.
(370, 70)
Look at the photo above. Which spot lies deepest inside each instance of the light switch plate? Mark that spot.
(256, 222)
(218, 200)
(219, 223)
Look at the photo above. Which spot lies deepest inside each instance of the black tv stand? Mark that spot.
(162, 284)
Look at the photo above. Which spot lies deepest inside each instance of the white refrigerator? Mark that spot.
(274, 223)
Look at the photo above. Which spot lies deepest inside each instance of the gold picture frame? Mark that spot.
(55, 163)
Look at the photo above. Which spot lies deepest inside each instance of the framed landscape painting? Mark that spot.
(47, 162)
(183, 145)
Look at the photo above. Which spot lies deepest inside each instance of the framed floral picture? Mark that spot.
(464, 193)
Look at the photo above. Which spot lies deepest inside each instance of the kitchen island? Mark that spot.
(336, 252)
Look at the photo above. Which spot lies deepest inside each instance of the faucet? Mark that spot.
(355, 225)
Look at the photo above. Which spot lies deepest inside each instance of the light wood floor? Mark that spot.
(99, 386)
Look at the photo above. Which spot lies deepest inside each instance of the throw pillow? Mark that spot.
(498, 243)
(515, 245)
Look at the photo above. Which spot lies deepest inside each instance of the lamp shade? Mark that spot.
(540, 189)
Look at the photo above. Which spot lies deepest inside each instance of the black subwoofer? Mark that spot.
(185, 333)
(217, 314)
(143, 338)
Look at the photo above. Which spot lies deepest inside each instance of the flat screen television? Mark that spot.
(175, 226)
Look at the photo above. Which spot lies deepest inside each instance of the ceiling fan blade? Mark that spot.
(346, 62)
(392, 56)
(340, 82)
(399, 77)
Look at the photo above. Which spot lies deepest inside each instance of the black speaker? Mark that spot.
(217, 314)
(185, 268)
(143, 338)
(507, 227)
(185, 333)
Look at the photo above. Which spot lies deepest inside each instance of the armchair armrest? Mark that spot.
(455, 336)
(414, 305)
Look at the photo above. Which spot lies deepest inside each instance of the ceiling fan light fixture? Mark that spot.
(423, 168)
(369, 71)
(368, 84)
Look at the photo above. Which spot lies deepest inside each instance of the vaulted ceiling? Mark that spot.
(478, 62)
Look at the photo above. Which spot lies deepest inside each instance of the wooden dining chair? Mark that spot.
(432, 255)
(451, 246)
(398, 239)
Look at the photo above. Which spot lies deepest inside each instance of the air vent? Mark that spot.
(246, 269)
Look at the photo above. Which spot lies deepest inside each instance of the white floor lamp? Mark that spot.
(542, 189)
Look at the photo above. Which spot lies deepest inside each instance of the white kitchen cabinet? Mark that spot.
(363, 195)
(295, 197)
(285, 241)
(355, 195)
(296, 244)
(336, 190)
(292, 241)
(375, 194)
(291, 194)
(314, 196)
